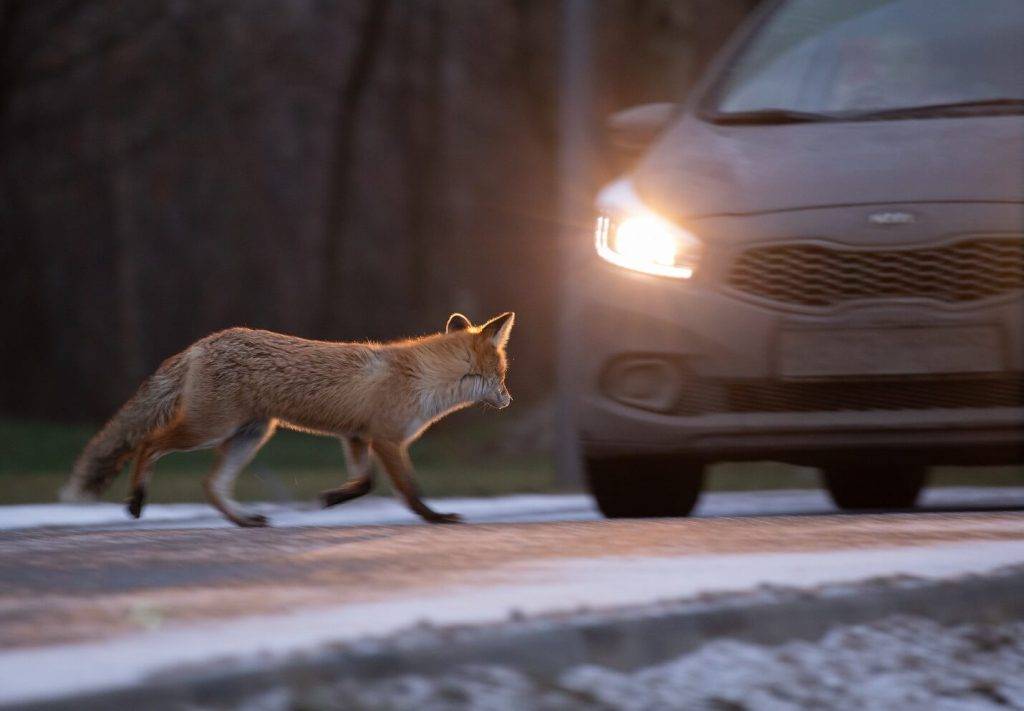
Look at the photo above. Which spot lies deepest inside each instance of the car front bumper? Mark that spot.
(670, 366)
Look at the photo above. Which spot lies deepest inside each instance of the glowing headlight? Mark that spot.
(647, 243)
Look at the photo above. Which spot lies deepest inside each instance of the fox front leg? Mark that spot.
(395, 460)
(360, 474)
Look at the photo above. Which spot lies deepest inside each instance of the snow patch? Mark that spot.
(363, 512)
(374, 510)
(897, 663)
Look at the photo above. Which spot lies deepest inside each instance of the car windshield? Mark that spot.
(821, 59)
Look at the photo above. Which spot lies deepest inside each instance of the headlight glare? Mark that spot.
(647, 243)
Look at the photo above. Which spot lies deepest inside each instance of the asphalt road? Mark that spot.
(65, 587)
(67, 584)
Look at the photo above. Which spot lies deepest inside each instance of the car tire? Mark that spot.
(644, 486)
(864, 486)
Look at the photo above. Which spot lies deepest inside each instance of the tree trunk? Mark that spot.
(337, 269)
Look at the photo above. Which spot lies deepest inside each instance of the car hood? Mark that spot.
(700, 169)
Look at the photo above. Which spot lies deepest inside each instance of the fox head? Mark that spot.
(486, 364)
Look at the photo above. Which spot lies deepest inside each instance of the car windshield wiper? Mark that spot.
(1002, 105)
(770, 116)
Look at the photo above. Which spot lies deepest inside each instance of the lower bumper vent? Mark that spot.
(913, 394)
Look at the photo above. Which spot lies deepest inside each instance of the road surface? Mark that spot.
(180, 588)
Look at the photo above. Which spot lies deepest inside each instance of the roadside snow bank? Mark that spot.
(902, 663)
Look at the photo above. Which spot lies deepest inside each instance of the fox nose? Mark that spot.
(499, 400)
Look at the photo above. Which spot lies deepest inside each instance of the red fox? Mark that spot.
(232, 389)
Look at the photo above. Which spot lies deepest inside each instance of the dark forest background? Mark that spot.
(344, 170)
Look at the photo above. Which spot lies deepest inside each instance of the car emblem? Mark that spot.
(891, 218)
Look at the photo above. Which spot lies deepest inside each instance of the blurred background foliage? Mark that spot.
(332, 169)
(343, 170)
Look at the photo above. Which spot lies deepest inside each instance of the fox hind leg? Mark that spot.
(233, 455)
(140, 479)
(360, 474)
(174, 437)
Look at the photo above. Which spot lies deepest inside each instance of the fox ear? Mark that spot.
(499, 328)
(457, 322)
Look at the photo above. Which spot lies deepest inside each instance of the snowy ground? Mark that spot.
(508, 509)
(905, 663)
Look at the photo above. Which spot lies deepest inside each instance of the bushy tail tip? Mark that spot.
(104, 456)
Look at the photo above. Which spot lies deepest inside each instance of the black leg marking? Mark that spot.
(348, 491)
(136, 501)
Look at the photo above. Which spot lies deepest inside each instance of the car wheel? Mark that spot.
(866, 486)
(644, 486)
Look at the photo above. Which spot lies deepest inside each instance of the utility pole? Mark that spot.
(575, 178)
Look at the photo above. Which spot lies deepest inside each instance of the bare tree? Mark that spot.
(337, 269)
(419, 113)
(172, 167)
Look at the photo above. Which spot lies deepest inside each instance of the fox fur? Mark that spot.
(232, 389)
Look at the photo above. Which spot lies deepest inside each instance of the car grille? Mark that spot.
(813, 275)
(830, 396)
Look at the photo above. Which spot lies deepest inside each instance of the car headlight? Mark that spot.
(637, 239)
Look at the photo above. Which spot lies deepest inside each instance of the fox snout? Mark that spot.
(499, 400)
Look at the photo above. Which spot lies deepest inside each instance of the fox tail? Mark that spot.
(151, 407)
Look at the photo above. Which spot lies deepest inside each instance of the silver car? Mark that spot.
(819, 259)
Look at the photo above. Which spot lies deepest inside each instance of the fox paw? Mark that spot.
(135, 502)
(252, 521)
(333, 497)
(444, 518)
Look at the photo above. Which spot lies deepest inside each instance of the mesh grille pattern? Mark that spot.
(923, 394)
(812, 275)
